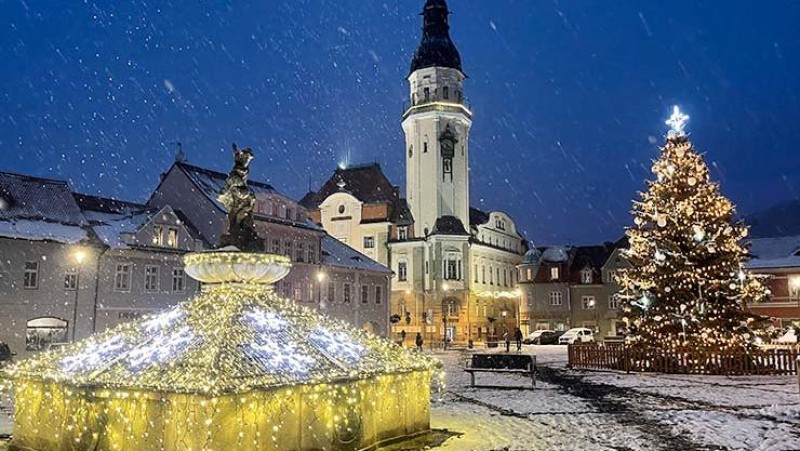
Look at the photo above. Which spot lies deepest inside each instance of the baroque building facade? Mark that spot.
(455, 275)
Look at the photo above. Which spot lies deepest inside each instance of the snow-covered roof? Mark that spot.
(211, 183)
(555, 254)
(110, 227)
(337, 254)
(35, 208)
(779, 252)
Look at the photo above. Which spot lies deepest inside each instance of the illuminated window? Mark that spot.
(158, 235)
(586, 275)
(588, 302)
(172, 237)
(554, 273)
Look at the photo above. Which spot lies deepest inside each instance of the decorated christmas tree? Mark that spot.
(687, 284)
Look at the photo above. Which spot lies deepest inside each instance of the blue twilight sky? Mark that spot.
(569, 97)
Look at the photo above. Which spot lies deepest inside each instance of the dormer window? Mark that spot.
(554, 273)
(172, 237)
(586, 275)
(402, 233)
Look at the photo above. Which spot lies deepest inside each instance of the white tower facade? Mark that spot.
(436, 126)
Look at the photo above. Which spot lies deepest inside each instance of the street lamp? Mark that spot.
(79, 256)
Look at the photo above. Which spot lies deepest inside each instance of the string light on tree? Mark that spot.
(686, 285)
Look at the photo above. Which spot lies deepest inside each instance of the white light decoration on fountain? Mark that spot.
(163, 320)
(337, 344)
(93, 355)
(164, 346)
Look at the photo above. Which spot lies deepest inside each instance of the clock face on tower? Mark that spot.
(447, 142)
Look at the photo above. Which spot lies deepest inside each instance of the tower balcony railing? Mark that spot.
(435, 103)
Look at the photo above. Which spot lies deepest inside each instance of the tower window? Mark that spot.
(426, 94)
(410, 151)
(425, 147)
(446, 92)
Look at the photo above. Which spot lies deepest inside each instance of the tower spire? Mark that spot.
(436, 48)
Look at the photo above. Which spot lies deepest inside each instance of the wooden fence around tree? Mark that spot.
(626, 358)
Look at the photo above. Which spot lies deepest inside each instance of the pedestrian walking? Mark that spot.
(507, 338)
(418, 341)
(402, 336)
(518, 339)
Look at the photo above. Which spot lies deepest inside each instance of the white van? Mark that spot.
(578, 334)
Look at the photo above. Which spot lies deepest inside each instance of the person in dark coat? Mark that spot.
(402, 336)
(418, 341)
(518, 339)
(507, 338)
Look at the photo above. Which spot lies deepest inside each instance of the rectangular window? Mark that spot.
(150, 278)
(346, 293)
(613, 302)
(446, 92)
(555, 298)
(497, 270)
(300, 254)
(402, 271)
(122, 277)
(312, 254)
(158, 235)
(426, 94)
(505, 277)
(178, 280)
(554, 273)
(276, 246)
(447, 166)
(287, 289)
(31, 280)
(588, 302)
(378, 294)
(331, 291)
(451, 269)
(483, 274)
(369, 242)
(475, 272)
(71, 281)
(298, 293)
(425, 147)
(586, 276)
(364, 294)
(287, 248)
(402, 233)
(172, 237)
(529, 273)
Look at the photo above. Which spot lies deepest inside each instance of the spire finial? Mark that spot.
(677, 121)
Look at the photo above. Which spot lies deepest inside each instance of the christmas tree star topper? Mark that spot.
(678, 120)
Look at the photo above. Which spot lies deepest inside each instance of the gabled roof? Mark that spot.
(40, 209)
(593, 257)
(337, 254)
(368, 184)
(777, 252)
(105, 204)
(210, 183)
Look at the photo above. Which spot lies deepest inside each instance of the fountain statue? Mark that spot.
(240, 201)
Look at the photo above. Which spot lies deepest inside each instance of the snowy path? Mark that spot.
(572, 410)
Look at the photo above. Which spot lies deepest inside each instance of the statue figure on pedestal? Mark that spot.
(240, 201)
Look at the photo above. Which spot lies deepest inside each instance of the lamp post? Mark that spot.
(445, 287)
(79, 256)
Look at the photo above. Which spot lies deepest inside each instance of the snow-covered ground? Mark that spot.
(597, 411)
(571, 410)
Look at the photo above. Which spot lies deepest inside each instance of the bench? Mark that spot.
(502, 364)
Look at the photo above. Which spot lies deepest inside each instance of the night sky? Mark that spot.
(569, 97)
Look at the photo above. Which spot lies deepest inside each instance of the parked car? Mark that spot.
(543, 337)
(789, 337)
(5, 354)
(578, 334)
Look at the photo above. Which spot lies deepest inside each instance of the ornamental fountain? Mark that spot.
(236, 367)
